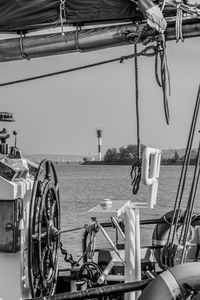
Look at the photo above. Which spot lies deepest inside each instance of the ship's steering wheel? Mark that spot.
(44, 226)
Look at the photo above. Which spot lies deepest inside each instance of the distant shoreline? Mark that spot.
(109, 163)
(118, 163)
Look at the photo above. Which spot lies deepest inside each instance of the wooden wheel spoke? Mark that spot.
(44, 222)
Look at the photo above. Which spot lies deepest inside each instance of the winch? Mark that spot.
(29, 223)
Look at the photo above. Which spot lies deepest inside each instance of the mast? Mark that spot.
(87, 39)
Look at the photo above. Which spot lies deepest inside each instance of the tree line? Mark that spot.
(123, 154)
(128, 155)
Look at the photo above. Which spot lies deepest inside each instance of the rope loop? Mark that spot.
(149, 51)
(76, 39)
(24, 55)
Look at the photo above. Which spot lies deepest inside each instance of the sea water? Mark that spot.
(82, 187)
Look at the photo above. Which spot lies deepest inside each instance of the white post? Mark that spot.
(132, 249)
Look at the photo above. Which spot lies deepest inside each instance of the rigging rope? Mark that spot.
(73, 229)
(137, 167)
(68, 256)
(189, 210)
(177, 205)
(148, 51)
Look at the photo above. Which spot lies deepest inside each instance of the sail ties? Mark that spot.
(21, 46)
(63, 16)
(77, 38)
(186, 6)
(179, 20)
(182, 7)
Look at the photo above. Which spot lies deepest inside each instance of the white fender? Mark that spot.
(169, 284)
(150, 171)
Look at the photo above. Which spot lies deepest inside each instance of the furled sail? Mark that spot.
(25, 16)
(32, 14)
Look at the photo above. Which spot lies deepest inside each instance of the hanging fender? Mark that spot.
(171, 283)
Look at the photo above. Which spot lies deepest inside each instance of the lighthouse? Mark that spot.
(99, 137)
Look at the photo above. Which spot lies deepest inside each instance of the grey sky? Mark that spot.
(60, 114)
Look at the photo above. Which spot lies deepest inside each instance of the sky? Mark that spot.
(60, 115)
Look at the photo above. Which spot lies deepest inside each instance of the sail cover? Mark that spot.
(32, 14)
(100, 10)
(27, 14)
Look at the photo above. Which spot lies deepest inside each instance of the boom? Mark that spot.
(88, 39)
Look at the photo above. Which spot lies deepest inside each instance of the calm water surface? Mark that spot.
(83, 187)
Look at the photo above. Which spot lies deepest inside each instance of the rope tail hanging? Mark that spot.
(137, 166)
(164, 78)
(163, 81)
